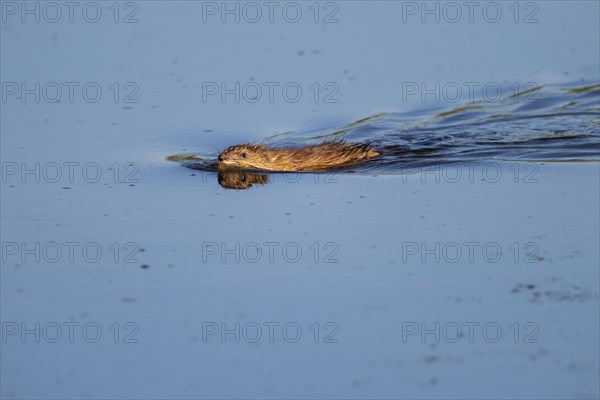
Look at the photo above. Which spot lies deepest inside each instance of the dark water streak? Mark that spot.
(550, 124)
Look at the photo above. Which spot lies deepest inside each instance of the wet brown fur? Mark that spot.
(317, 157)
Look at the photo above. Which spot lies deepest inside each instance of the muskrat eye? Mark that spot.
(243, 155)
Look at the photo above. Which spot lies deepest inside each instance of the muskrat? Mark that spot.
(315, 157)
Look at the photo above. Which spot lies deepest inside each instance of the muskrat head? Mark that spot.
(243, 156)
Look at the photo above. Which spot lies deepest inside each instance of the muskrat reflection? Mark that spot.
(240, 180)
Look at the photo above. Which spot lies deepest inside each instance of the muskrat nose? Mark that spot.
(219, 158)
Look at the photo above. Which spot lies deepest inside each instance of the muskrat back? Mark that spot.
(315, 157)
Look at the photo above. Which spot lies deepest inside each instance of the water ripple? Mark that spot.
(550, 123)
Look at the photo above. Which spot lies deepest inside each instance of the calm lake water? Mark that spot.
(463, 263)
